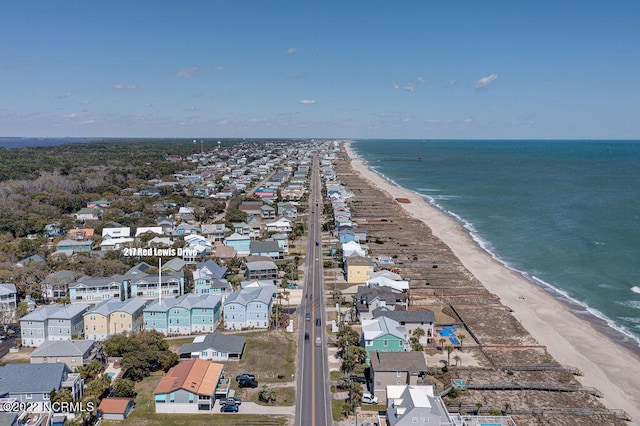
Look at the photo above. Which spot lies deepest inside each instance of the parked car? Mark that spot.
(245, 376)
(358, 379)
(229, 408)
(231, 401)
(248, 383)
(367, 398)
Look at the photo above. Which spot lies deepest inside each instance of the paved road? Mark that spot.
(313, 407)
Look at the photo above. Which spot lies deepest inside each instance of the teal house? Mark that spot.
(185, 315)
(240, 243)
(384, 335)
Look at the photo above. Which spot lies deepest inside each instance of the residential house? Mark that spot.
(411, 320)
(410, 405)
(249, 308)
(215, 231)
(122, 232)
(102, 203)
(287, 210)
(149, 192)
(283, 242)
(73, 353)
(282, 225)
(93, 213)
(80, 234)
(33, 383)
(146, 285)
(358, 269)
(240, 243)
(70, 247)
(209, 278)
(114, 316)
(214, 347)
(384, 281)
(267, 212)
(97, 289)
(185, 315)
(115, 408)
(223, 252)
(255, 226)
(367, 299)
(167, 225)
(346, 236)
(385, 335)
(242, 228)
(396, 368)
(56, 285)
(190, 387)
(352, 249)
(185, 229)
(35, 258)
(251, 207)
(266, 248)
(52, 322)
(54, 229)
(149, 229)
(8, 302)
(261, 270)
(174, 265)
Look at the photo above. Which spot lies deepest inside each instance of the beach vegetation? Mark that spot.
(267, 395)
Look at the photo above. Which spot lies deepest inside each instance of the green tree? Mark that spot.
(63, 395)
(98, 385)
(449, 349)
(124, 388)
(90, 370)
(267, 395)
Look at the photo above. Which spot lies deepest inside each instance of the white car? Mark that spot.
(367, 398)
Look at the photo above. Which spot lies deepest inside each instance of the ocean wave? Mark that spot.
(635, 289)
(635, 304)
(428, 189)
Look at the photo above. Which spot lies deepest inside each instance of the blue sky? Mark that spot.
(343, 69)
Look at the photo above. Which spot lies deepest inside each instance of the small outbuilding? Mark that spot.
(115, 408)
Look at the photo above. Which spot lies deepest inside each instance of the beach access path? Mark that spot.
(607, 366)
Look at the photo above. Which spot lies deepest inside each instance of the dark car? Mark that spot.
(231, 401)
(318, 322)
(248, 383)
(245, 376)
(306, 336)
(358, 379)
(229, 408)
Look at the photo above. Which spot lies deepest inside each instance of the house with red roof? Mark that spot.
(191, 387)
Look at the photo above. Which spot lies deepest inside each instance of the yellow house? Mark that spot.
(358, 269)
(114, 316)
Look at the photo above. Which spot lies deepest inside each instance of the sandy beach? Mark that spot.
(607, 366)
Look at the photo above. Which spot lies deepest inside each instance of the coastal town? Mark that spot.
(194, 296)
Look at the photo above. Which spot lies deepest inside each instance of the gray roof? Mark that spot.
(212, 268)
(63, 348)
(61, 277)
(264, 246)
(32, 378)
(112, 305)
(252, 294)
(402, 316)
(56, 312)
(261, 265)
(6, 289)
(218, 341)
(175, 264)
(186, 301)
(413, 362)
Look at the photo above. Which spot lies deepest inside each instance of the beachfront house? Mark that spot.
(358, 269)
(411, 405)
(411, 320)
(396, 368)
(384, 335)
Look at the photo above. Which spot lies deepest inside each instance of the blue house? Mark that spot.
(346, 236)
(209, 278)
(240, 243)
(185, 315)
(249, 308)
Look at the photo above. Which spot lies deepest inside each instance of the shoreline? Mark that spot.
(608, 367)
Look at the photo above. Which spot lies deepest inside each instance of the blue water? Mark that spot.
(566, 214)
(15, 142)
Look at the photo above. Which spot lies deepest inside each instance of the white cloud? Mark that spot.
(410, 86)
(467, 120)
(485, 82)
(308, 101)
(121, 86)
(64, 95)
(72, 115)
(191, 71)
(219, 68)
(396, 86)
(292, 50)
(192, 109)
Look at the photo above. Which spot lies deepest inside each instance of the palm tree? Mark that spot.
(457, 359)
(461, 337)
(506, 406)
(478, 406)
(449, 349)
(442, 341)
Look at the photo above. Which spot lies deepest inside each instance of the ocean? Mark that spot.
(565, 214)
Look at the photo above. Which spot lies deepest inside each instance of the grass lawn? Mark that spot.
(285, 396)
(270, 355)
